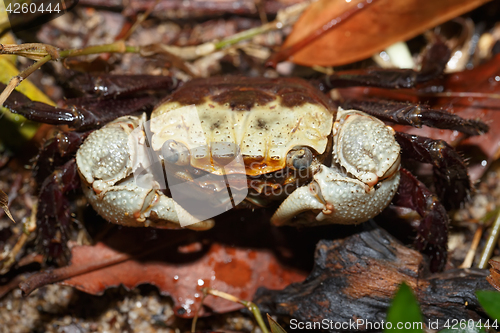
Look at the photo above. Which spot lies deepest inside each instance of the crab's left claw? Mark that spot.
(334, 198)
(361, 181)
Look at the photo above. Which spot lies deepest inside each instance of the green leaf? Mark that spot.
(15, 128)
(490, 301)
(275, 327)
(405, 312)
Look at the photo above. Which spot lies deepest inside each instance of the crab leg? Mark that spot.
(450, 172)
(417, 115)
(55, 152)
(53, 215)
(432, 230)
(115, 85)
(90, 112)
(435, 59)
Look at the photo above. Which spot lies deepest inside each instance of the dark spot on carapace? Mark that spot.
(261, 124)
(215, 125)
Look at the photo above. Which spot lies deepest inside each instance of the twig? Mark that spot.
(16, 80)
(249, 305)
(195, 318)
(469, 258)
(139, 21)
(490, 244)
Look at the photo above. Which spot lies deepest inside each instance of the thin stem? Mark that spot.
(16, 80)
(195, 319)
(139, 21)
(249, 305)
(244, 35)
(469, 258)
(116, 47)
(286, 17)
(490, 244)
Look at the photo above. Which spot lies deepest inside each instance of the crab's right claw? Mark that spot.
(134, 206)
(106, 163)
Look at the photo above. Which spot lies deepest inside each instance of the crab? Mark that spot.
(343, 164)
(246, 143)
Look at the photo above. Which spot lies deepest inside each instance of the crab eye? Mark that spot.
(299, 158)
(175, 152)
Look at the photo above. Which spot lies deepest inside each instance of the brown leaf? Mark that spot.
(180, 263)
(4, 203)
(333, 42)
(232, 270)
(494, 277)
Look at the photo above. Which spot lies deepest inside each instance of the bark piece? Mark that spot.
(357, 277)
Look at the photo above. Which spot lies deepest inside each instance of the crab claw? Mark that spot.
(106, 162)
(134, 206)
(361, 181)
(336, 198)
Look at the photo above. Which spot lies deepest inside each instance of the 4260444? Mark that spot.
(470, 324)
(24, 8)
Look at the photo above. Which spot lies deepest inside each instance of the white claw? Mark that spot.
(361, 182)
(364, 146)
(337, 199)
(301, 200)
(106, 161)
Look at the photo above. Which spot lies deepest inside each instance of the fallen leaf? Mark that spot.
(236, 271)
(337, 33)
(494, 277)
(180, 263)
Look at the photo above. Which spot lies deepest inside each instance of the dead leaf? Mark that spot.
(494, 277)
(233, 270)
(180, 263)
(335, 32)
